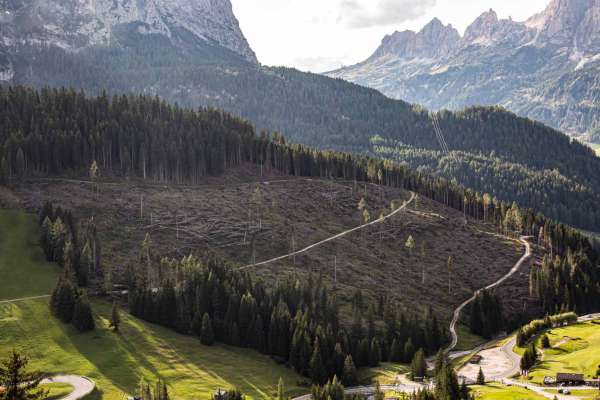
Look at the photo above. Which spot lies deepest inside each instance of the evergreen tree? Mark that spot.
(83, 319)
(197, 324)
(545, 342)
(115, 318)
(480, 377)
(17, 383)
(280, 390)
(207, 335)
(62, 301)
(418, 366)
(447, 383)
(374, 353)
(349, 377)
(409, 351)
(317, 369)
(395, 352)
(440, 360)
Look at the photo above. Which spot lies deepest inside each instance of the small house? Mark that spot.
(570, 379)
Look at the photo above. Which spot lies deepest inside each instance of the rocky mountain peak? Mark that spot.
(482, 28)
(435, 40)
(75, 24)
(560, 22)
(489, 30)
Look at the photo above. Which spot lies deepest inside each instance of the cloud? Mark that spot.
(372, 13)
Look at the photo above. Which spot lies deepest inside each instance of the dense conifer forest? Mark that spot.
(332, 114)
(57, 132)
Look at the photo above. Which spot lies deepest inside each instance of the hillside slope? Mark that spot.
(224, 216)
(116, 362)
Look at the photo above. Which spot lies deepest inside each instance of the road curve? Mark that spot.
(339, 235)
(457, 312)
(82, 386)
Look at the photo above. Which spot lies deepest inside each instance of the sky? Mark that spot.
(322, 35)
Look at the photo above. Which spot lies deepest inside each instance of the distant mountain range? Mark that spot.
(193, 53)
(546, 68)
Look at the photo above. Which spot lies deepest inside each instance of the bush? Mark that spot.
(536, 326)
(545, 342)
(83, 319)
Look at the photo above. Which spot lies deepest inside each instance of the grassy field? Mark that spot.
(497, 391)
(575, 349)
(57, 390)
(20, 255)
(116, 362)
(385, 374)
(581, 394)
(467, 340)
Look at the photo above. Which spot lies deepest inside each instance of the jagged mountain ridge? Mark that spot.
(546, 68)
(77, 24)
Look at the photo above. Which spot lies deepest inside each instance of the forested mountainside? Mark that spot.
(63, 132)
(196, 62)
(333, 114)
(545, 68)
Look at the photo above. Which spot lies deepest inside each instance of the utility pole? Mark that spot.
(450, 274)
(335, 270)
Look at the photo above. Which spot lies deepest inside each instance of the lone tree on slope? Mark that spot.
(115, 318)
(480, 377)
(18, 384)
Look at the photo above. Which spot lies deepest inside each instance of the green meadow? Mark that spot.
(116, 362)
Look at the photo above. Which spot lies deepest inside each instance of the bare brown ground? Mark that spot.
(224, 214)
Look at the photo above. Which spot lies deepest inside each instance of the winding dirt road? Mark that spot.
(339, 235)
(458, 311)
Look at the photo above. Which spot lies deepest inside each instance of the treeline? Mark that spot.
(332, 114)
(74, 247)
(560, 196)
(527, 332)
(295, 323)
(486, 317)
(567, 282)
(61, 131)
(60, 240)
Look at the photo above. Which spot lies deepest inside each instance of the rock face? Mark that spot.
(546, 68)
(76, 24)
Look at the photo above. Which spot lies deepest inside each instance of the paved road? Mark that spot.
(460, 308)
(369, 390)
(339, 235)
(542, 390)
(82, 386)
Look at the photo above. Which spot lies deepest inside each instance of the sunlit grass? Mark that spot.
(576, 349)
(116, 362)
(497, 391)
(24, 271)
